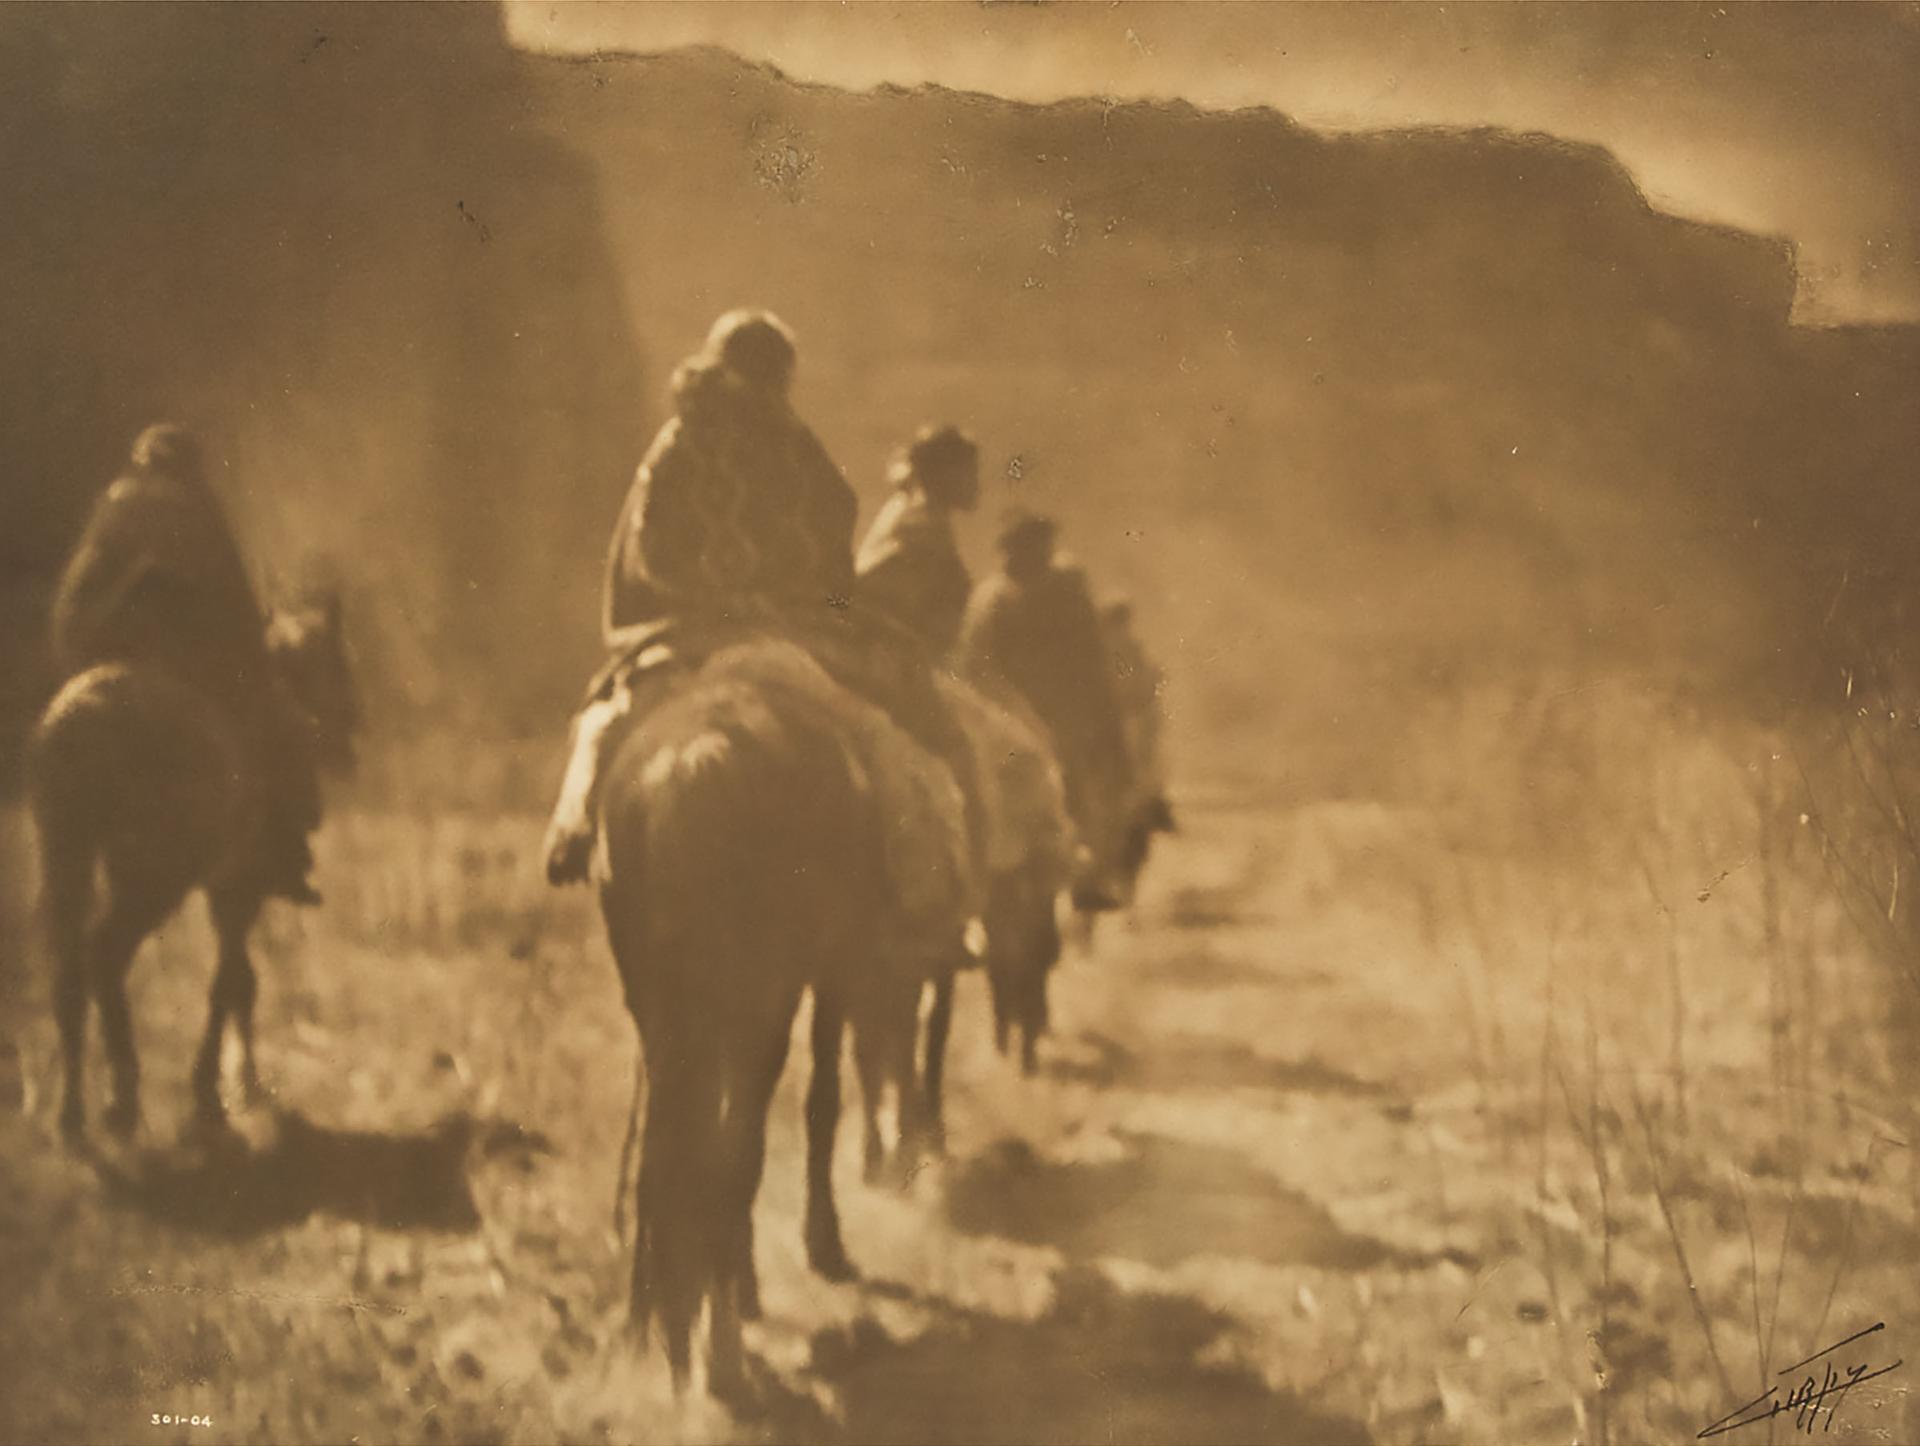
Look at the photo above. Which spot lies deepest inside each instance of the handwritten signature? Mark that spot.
(1822, 1390)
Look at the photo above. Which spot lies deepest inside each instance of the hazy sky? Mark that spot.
(1801, 120)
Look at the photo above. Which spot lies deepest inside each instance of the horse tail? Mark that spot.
(681, 1210)
(665, 831)
(720, 816)
(65, 813)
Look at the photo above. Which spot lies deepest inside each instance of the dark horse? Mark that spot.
(142, 790)
(1029, 855)
(743, 859)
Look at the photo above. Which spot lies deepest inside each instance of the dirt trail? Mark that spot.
(1253, 1194)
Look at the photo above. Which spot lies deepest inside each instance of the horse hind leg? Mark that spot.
(235, 988)
(886, 1048)
(677, 1203)
(903, 1066)
(1046, 947)
(747, 1123)
(130, 916)
(826, 1251)
(870, 1063)
(68, 899)
(641, 1300)
(142, 890)
(1002, 954)
(939, 1026)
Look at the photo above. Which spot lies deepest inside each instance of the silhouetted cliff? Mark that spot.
(327, 237)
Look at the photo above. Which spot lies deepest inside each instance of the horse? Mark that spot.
(1035, 858)
(142, 789)
(749, 850)
(1144, 813)
(1030, 857)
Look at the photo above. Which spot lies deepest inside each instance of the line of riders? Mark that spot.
(800, 769)
(738, 523)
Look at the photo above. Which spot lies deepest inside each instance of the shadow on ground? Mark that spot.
(1201, 966)
(1099, 1365)
(229, 1185)
(1196, 906)
(1166, 1201)
(1194, 1062)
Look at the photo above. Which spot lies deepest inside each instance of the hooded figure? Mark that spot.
(157, 580)
(910, 566)
(736, 504)
(738, 518)
(1137, 681)
(1033, 627)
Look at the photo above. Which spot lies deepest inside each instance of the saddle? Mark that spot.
(865, 653)
(886, 702)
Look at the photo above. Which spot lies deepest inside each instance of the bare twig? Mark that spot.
(1677, 1014)
(1844, 1260)
(1549, 1264)
(1679, 1244)
(1753, 1282)
(1598, 1145)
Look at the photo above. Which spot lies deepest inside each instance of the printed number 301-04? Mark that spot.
(163, 1420)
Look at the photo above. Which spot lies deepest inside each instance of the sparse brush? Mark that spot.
(1597, 1150)
(1655, 1153)
(1676, 994)
(1760, 1360)
(1843, 1258)
(1549, 1257)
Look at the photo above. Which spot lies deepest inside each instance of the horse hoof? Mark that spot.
(73, 1126)
(829, 1261)
(211, 1132)
(121, 1120)
(732, 1383)
(209, 1117)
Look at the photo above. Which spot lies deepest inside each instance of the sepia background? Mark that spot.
(1504, 420)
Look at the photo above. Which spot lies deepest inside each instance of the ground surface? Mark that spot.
(1310, 1158)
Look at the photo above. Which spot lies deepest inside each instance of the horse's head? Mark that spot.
(1116, 841)
(308, 649)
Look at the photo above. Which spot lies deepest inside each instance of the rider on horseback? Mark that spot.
(738, 522)
(158, 581)
(1033, 627)
(910, 566)
(1137, 685)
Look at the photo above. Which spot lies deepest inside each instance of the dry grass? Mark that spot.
(1557, 1099)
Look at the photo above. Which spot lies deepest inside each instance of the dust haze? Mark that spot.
(1502, 420)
